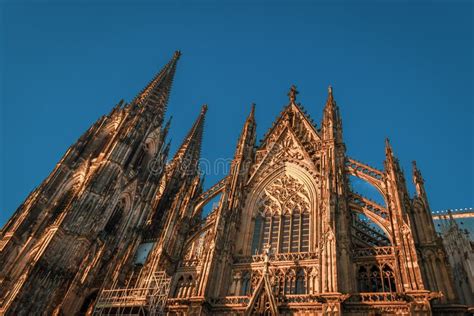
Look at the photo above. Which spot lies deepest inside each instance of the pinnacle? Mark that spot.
(292, 94)
(330, 101)
(192, 143)
(252, 112)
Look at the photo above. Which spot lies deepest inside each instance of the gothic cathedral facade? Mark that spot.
(117, 228)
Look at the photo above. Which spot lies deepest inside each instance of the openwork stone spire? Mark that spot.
(156, 94)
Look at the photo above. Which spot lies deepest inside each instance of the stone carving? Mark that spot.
(285, 196)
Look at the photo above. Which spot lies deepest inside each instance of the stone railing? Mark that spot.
(292, 256)
(376, 297)
(177, 301)
(373, 252)
(231, 300)
(299, 298)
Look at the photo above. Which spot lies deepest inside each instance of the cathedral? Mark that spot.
(119, 228)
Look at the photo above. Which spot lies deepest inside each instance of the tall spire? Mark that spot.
(190, 150)
(155, 95)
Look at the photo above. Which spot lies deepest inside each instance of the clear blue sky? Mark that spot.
(400, 70)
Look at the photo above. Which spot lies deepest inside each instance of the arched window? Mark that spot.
(363, 279)
(373, 278)
(114, 220)
(184, 286)
(61, 205)
(388, 279)
(283, 218)
(245, 287)
(257, 236)
(300, 282)
(179, 287)
(285, 233)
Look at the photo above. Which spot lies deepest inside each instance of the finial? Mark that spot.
(204, 109)
(292, 94)
(252, 109)
(330, 101)
(177, 54)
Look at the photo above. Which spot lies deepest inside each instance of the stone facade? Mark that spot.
(460, 251)
(115, 229)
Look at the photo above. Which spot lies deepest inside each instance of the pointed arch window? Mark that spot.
(300, 282)
(114, 220)
(285, 233)
(375, 278)
(283, 219)
(246, 284)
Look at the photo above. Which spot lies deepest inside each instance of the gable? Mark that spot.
(292, 138)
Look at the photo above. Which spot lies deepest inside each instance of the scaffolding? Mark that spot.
(147, 297)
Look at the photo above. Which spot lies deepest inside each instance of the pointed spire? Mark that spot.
(251, 116)
(292, 94)
(418, 181)
(190, 150)
(332, 122)
(417, 177)
(330, 102)
(248, 133)
(252, 112)
(155, 95)
(388, 149)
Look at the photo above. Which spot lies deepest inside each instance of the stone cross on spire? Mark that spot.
(292, 94)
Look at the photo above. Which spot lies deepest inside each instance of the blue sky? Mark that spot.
(400, 70)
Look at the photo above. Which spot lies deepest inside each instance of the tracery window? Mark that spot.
(292, 281)
(184, 286)
(283, 218)
(375, 278)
